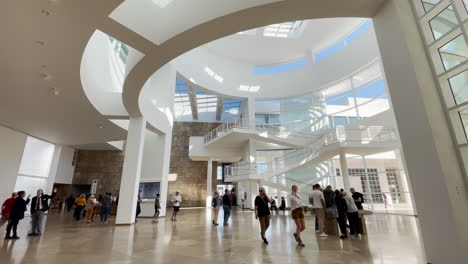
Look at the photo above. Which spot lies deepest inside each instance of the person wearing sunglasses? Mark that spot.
(262, 212)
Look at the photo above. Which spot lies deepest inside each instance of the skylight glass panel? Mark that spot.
(213, 74)
(182, 100)
(285, 67)
(120, 48)
(282, 30)
(249, 88)
(206, 102)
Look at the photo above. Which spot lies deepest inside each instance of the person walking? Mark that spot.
(39, 206)
(352, 214)
(318, 202)
(226, 206)
(80, 204)
(6, 209)
(283, 205)
(17, 213)
(216, 204)
(176, 201)
(157, 207)
(297, 213)
(342, 210)
(106, 205)
(90, 208)
(138, 207)
(273, 206)
(262, 212)
(69, 202)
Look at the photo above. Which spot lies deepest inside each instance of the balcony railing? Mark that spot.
(300, 156)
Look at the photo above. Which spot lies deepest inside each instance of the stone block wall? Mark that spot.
(103, 165)
(191, 175)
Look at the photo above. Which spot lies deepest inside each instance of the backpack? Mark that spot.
(214, 202)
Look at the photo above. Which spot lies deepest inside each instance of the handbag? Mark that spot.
(332, 212)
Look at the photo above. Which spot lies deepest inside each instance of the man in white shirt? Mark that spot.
(318, 202)
(176, 200)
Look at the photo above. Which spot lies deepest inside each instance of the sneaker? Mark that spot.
(265, 241)
(7, 237)
(216, 224)
(343, 237)
(300, 244)
(296, 237)
(15, 237)
(323, 235)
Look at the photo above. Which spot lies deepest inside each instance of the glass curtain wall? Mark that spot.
(444, 25)
(360, 95)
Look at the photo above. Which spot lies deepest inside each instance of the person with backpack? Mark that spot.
(216, 204)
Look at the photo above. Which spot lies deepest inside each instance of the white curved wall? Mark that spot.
(102, 74)
(281, 85)
(156, 99)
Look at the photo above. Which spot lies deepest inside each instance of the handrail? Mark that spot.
(312, 150)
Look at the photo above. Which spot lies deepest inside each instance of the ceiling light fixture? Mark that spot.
(249, 88)
(162, 3)
(55, 91)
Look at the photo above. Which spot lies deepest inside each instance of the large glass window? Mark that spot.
(443, 22)
(182, 100)
(454, 52)
(120, 48)
(35, 165)
(459, 86)
(429, 4)
(206, 102)
(464, 119)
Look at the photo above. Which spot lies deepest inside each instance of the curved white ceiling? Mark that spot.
(160, 20)
(236, 74)
(256, 49)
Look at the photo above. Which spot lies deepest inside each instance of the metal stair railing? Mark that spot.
(312, 150)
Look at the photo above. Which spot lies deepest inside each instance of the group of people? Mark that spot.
(327, 204)
(90, 207)
(323, 203)
(14, 207)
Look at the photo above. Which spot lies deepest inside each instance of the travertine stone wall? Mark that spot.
(191, 175)
(104, 165)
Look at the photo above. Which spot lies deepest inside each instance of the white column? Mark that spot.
(434, 170)
(344, 172)
(251, 112)
(166, 160)
(368, 187)
(209, 183)
(131, 171)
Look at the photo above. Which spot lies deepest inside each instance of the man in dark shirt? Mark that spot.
(358, 198)
(17, 213)
(226, 206)
(262, 212)
(70, 201)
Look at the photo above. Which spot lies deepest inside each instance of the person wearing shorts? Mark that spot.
(176, 200)
(297, 213)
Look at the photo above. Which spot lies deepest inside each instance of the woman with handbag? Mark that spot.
(297, 213)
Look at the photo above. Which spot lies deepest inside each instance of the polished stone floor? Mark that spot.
(192, 239)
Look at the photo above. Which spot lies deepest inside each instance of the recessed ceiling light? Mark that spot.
(162, 3)
(46, 12)
(55, 91)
